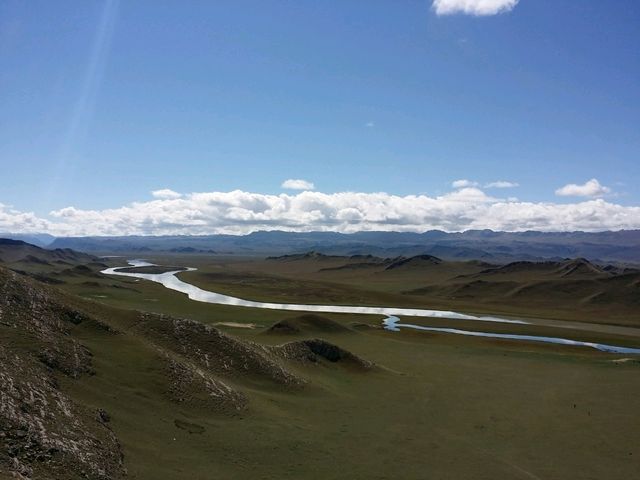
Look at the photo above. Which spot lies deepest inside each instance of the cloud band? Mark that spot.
(240, 212)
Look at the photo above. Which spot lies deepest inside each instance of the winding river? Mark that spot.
(391, 322)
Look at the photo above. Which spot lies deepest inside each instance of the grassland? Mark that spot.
(436, 406)
(442, 410)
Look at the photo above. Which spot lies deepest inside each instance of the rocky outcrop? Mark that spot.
(198, 388)
(32, 312)
(317, 351)
(44, 434)
(214, 351)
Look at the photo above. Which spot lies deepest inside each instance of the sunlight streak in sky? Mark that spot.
(83, 109)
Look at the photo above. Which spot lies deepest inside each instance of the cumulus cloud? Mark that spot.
(297, 184)
(473, 7)
(166, 193)
(501, 184)
(592, 188)
(463, 183)
(240, 212)
(14, 221)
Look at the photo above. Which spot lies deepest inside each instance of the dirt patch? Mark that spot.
(236, 325)
(188, 426)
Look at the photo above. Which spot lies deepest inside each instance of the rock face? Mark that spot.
(32, 312)
(43, 434)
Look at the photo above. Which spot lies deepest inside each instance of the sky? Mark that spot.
(145, 117)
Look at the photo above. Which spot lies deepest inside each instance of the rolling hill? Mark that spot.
(49, 428)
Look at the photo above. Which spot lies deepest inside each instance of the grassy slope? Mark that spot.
(453, 410)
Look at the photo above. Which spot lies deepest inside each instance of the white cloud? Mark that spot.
(473, 7)
(463, 183)
(239, 212)
(370, 124)
(501, 184)
(166, 194)
(592, 188)
(297, 184)
(14, 221)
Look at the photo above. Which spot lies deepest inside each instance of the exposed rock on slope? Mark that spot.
(43, 434)
(317, 350)
(31, 311)
(212, 350)
(196, 387)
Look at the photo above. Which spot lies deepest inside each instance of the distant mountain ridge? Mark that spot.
(38, 239)
(502, 247)
(19, 251)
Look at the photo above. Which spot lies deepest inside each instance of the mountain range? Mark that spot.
(620, 246)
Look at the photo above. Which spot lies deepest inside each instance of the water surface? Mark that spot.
(391, 323)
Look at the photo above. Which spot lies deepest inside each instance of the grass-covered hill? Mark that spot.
(66, 362)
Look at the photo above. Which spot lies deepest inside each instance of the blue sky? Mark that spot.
(104, 102)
